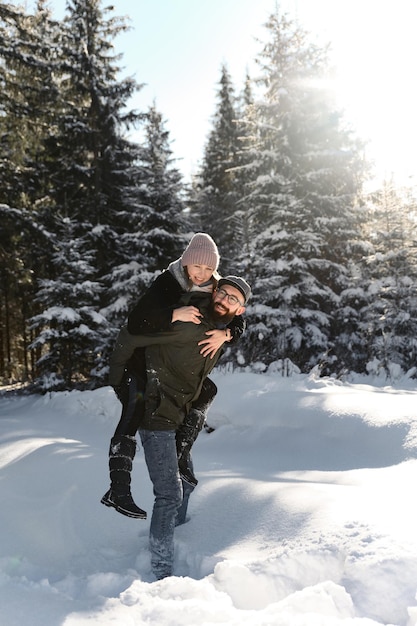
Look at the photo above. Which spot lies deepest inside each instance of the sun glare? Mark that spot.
(375, 85)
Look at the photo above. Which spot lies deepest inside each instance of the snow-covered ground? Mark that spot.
(304, 514)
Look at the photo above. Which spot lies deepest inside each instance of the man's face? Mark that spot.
(226, 303)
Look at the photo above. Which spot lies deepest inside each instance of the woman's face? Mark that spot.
(199, 274)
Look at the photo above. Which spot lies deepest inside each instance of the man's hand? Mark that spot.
(187, 314)
(215, 341)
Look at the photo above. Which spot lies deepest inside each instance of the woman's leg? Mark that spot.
(189, 430)
(122, 448)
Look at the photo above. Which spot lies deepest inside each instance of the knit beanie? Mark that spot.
(239, 283)
(201, 251)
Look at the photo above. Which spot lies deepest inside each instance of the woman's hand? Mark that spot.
(186, 314)
(216, 339)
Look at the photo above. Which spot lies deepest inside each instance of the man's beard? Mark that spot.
(224, 315)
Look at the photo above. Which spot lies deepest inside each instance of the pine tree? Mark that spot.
(153, 230)
(304, 175)
(28, 101)
(73, 162)
(387, 317)
(69, 330)
(163, 198)
(239, 223)
(92, 162)
(217, 195)
(20, 237)
(94, 169)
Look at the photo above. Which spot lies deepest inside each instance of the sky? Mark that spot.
(176, 48)
(304, 514)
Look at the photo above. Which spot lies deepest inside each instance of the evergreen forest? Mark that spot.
(89, 217)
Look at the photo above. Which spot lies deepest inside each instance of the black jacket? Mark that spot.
(153, 312)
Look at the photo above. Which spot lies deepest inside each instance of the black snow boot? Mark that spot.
(186, 435)
(121, 454)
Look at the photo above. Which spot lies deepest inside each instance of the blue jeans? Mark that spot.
(161, 459)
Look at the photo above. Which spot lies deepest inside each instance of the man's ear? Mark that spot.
(240, 310)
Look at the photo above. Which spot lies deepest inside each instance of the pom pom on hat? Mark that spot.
(201, 251)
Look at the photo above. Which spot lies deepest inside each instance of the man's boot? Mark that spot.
(121, 454)
(186, 435)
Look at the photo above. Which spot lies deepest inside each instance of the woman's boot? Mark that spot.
(121, 454)
(186, 435)
(189, 430)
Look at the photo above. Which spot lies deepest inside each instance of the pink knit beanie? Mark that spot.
(201, 251)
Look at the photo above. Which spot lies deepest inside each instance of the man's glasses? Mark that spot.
(231, 299)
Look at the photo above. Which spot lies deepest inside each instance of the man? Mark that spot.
(156, 311)
(176, 371)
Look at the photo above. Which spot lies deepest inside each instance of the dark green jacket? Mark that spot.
(153, 314)
(174, 366)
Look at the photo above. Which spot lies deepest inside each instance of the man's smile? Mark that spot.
(220, 307)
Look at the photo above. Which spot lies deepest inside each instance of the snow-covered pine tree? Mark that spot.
(28, 101)
(304, 178)
(387, 317)
(93, 167)
(153, 233)
(29, 104)
(239, 223)
(216, 191)
(69, 330)
(163, 194)
(92, 161)
(24, 248)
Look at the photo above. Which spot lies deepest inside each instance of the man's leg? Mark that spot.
(161, 459)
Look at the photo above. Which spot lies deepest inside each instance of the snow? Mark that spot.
(304, 514)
